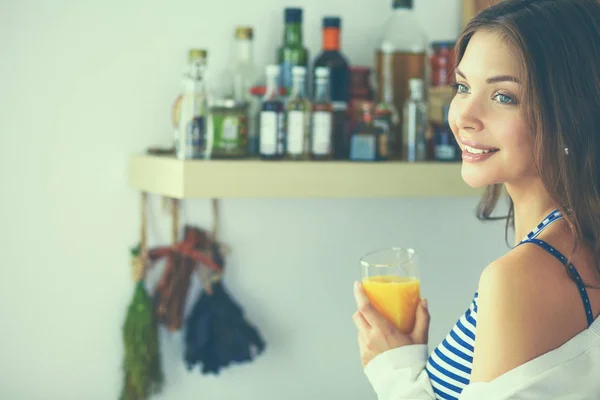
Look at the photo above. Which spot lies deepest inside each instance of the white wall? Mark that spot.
(87, 83)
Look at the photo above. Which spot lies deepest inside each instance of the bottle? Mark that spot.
(272, 134)
(293, 52)
(386, 114)
(414, 124)
(298, 117)
(339, 81)
(403, 36)
(322, 117)
(245, 75)
(446, 148)
(368, 142)
(192, 139)
(441, 64)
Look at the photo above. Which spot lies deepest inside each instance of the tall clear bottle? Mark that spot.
(405, 38)
(322, 117)
(415, 124)
(245, 75)
(192, 138)
(298, 117)
(272, 133)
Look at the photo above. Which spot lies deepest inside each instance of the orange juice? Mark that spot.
(395, 297)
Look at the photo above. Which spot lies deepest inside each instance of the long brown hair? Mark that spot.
(558, 42)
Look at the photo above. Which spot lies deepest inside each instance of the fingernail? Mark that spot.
(424, 302)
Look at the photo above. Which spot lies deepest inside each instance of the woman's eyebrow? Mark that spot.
(493, 79)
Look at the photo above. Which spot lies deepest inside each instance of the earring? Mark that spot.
(566, 150)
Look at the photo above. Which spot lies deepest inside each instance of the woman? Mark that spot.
(526, 113)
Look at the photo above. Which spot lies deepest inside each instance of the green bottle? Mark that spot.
(292, 53)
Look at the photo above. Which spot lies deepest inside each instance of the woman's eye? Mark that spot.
(460, 88)
(504, 99)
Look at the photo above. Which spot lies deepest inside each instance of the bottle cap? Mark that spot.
(244, 32)
(272, 70)
(298, 70)
(402, 4)
(197, 54)
(293, 15)
(332, 22)
(321, 72)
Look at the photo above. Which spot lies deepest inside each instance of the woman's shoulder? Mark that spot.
(533, 279)
(527, 306)
(532, 284)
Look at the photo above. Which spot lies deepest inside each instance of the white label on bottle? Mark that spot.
(339, 105)
(362, 147)
(295, 132)
(322, 127)
(445, 152)
(230, 129)
(268, 133)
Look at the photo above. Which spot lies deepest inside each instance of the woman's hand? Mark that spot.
(377, 335)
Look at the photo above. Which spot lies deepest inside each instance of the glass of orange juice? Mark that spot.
(390, 278)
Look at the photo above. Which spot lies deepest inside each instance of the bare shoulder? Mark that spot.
(526, 307)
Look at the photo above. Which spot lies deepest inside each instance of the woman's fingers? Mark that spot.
(369, 313)
(420, 332)
(361, 324)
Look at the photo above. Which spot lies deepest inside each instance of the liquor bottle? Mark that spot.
(292, 53)
(192, 139)
(298, 117)
(445, 146)
(386, 114)
(368, 142)
(322, 117)
(245, 75)
(339, 81)
(272, 134)
(403, 35)
(415, 124)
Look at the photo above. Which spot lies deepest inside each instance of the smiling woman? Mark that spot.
(486, 116)
(526, 113)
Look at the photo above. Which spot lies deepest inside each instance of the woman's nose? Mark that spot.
(468, 116)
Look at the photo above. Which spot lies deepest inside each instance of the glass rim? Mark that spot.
(412, 254)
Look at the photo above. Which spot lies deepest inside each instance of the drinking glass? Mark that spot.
(391, 281)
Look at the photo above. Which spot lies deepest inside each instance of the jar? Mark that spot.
(441, 62)
(229, 120)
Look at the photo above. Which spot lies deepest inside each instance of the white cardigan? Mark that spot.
(570, 372)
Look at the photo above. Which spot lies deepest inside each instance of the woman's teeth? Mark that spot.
(478, 151)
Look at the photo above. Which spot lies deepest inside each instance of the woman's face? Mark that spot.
(485, 114)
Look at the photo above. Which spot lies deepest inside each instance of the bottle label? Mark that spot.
(268, 132)
(384, 144)
(322, 127)
(445, 152)
(192, 142)
(295, 132)
(363, 147)
(286, 75)
(339, 106)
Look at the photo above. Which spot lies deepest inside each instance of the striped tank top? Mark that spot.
(449, 365)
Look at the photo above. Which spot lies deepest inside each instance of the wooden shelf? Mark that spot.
(171, 177)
